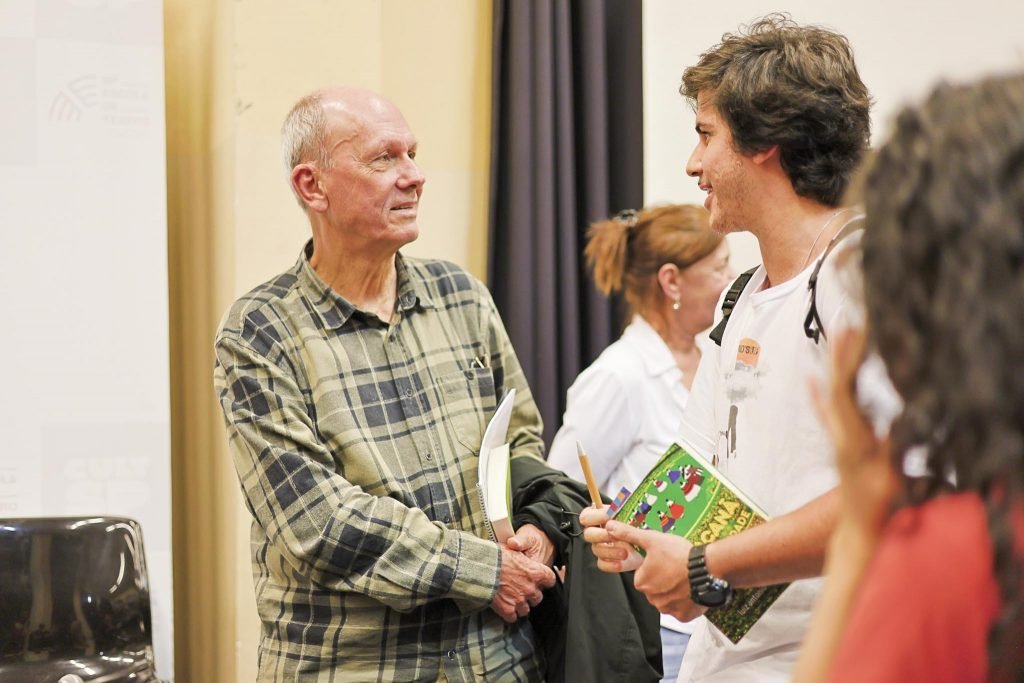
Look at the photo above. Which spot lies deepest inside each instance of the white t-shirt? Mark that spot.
(750, 410)
(624, 410)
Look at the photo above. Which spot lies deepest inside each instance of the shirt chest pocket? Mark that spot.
(467, 398)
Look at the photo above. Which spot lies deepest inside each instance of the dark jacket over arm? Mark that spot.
(596, 625)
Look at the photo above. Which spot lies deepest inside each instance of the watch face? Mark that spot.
(715, 594)
(713, 598)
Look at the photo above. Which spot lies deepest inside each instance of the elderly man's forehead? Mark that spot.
(364, 113)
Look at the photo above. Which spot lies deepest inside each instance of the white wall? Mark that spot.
(84, 403)
(902, 49)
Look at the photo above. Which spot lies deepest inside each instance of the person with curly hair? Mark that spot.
(782, 120)
(943, 284)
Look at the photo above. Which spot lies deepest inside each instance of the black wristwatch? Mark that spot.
(705, 589)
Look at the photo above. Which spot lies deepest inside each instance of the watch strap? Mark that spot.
(706, 590)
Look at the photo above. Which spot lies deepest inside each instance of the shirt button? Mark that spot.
(429, 456)
(447, 519)
(451, 654)
(408, 393)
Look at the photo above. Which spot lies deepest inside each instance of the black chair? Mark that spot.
(74, 601)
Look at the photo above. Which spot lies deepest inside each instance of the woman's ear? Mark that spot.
(669, 281)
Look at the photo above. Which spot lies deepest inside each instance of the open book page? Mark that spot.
(494, 484)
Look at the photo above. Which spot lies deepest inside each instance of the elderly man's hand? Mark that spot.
(534, 543)
(520, 586)
(663, 577)
(612, 556)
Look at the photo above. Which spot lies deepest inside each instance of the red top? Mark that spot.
(927, 601)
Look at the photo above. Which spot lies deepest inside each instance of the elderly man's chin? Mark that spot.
(405, 232)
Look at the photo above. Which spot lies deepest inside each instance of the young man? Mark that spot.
(782, 119)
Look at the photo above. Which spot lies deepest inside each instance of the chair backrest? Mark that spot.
(75, 600)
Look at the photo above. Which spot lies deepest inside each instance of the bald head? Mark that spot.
(326, 116)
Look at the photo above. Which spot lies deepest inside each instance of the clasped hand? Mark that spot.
(661, 576)
(525, 572)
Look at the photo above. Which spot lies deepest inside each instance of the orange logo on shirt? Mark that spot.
(747, 353)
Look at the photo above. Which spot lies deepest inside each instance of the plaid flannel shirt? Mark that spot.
(356, 445)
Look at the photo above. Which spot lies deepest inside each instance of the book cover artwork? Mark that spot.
(686, 496)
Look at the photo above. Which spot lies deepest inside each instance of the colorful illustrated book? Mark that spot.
(685, 495)
(494, 472)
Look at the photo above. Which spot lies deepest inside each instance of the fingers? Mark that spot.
(508, 613)
(611, 552)
(596, 534)
(534, 543)
(520, 585)
(591, 517)
(848, 354)
(628, 534)
(524, 538)
(611, 566)
(544, 576)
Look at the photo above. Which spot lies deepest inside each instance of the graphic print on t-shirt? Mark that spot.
(741, 383)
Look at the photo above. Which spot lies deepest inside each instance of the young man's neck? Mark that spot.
(792, 233)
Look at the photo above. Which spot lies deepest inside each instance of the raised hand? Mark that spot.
(867, 479)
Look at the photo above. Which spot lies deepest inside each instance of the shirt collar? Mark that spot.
(335, 310)
(656, 355)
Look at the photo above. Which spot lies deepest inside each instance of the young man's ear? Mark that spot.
(307, 185)
(765, 155)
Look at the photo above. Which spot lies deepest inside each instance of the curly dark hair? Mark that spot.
(779, 83)
(943, 258)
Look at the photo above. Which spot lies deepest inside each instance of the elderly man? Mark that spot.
(355, 387)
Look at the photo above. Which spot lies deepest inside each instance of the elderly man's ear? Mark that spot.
(308, 187)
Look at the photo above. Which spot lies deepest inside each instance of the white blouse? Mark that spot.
(624, 410)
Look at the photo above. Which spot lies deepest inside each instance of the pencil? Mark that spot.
(588, 474)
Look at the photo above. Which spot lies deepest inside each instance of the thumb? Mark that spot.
(629, 534)
(521, 541)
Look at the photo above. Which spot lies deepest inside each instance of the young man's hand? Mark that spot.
(612, 556)
(663, 576)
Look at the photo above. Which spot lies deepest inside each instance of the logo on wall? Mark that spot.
(77, 96)
(109, 100)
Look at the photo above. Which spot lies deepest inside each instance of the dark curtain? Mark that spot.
(567, 149)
